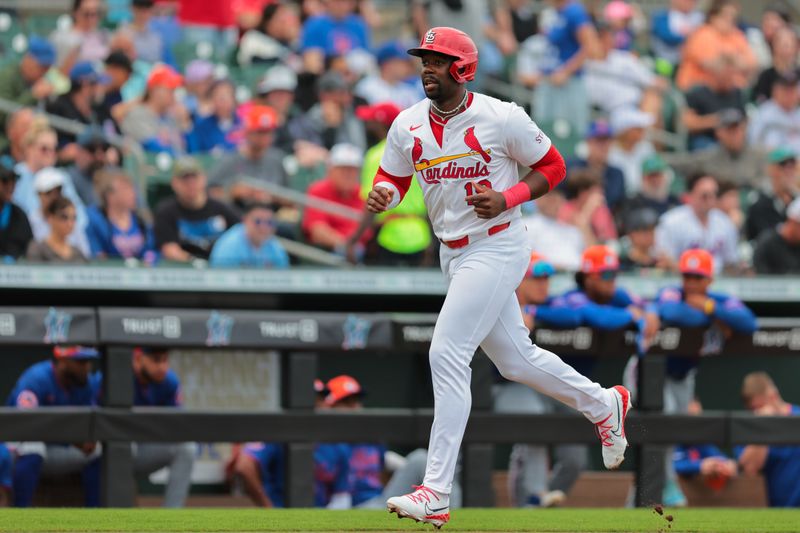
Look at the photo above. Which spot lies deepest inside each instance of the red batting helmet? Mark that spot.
(454, 43)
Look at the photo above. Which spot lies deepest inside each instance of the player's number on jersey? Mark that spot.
(469, 187)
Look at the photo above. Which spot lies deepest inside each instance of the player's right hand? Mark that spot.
(378, 199)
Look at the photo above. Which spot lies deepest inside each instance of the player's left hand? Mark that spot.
(488, 203)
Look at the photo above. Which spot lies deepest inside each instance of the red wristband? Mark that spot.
(518, 194)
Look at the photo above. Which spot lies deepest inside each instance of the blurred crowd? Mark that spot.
(204, 121)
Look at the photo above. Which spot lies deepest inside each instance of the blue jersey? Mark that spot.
(608, 316)
(674, 311)
(366, 469)
(335, 37)
(554, 313)
(782, 471)
(563, 33)
(6, 465)
(164, 394)
(687, 459)
(272, 466)
(331, 472)
(209, 135)
(39, 387)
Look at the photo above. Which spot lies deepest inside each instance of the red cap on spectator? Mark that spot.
(342, 387)
(164, 76)
(697, 261)
(383, 112)
(259, 118)
(599, 258)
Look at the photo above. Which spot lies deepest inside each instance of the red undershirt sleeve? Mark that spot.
(552, 167)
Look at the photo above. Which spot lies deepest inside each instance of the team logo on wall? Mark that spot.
(713, 341)
(56, 326)
(356, 332)
(8, 325)
(219, 329)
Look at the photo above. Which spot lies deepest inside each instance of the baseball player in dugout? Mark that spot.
(465, 148)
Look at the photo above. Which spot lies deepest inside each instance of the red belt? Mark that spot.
(463, 241)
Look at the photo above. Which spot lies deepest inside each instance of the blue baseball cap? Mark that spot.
(391, 50)
(599, 129)
(75, 352)
(42, 51)
(539, 267)
(84, 71)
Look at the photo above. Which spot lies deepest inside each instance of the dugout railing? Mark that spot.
(305, 337)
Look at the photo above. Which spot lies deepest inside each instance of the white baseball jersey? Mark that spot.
(483, 144)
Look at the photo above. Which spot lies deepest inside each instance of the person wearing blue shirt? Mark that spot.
(779, 464)
(62, 381)
(333, 34)
(671, 27)
(6, 468)
(214, 133)
(561, 92)
(115, 228)
(155, 384)
(251, 243)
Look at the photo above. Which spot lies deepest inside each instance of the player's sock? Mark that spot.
(26, 477)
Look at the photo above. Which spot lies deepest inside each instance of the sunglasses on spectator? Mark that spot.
(693, 277)
(265, 222)
(788, 163)
(607, 275)
(66, 217)
(97, 148)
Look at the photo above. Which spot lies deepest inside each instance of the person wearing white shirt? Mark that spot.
(699, 224)
(630, 149)
(776, 122)
(560, 242)
(390, 84)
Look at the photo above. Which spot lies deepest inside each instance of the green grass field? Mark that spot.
(253, 520)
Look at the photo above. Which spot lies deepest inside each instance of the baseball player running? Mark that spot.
(464, 148)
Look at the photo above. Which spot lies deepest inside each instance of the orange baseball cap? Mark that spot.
(697, 261)
(342, 387)
(259, 118)
(599, 258)
(164, 76)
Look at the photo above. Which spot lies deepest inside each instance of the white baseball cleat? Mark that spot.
(423, 505)
(611, 430)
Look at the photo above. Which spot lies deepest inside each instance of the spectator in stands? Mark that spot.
(655, 192)
(155, 384)
(619, 78)
(149, 46)
(60, 217)
(157, 122)
(622, 19)
(62, 381)
(404, 237)
(6, 475)
(777, 15)
(251, 243)
(276, 90)
(718, 37)
(704, 102)
(784, 64)
(84, 40)
(390, 85)
(135, 82)
(40, 153)
(769, 209)
(528, 464)
(119, 69)
(273, 39)
(779, 464)
(92, 153)
(79, 104)
(187, 225)
(238, 174)
(560, 89)
(23, 82)
(116, 230)
(729, 202)
(704, 460)
(341, 186)
(598, 144)
(212, 22)
(776, 122)
(330, 121)
(561, 243)
(15, 230)
(699, 224)
(671, 27)
(638, 245)
(213, 133)
(630, 147)
(333, 33)
(733, 157)
(777, 250)
(16, 127)
(199, 76)
(587, 209)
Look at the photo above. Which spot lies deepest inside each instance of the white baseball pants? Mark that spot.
(481, 309)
